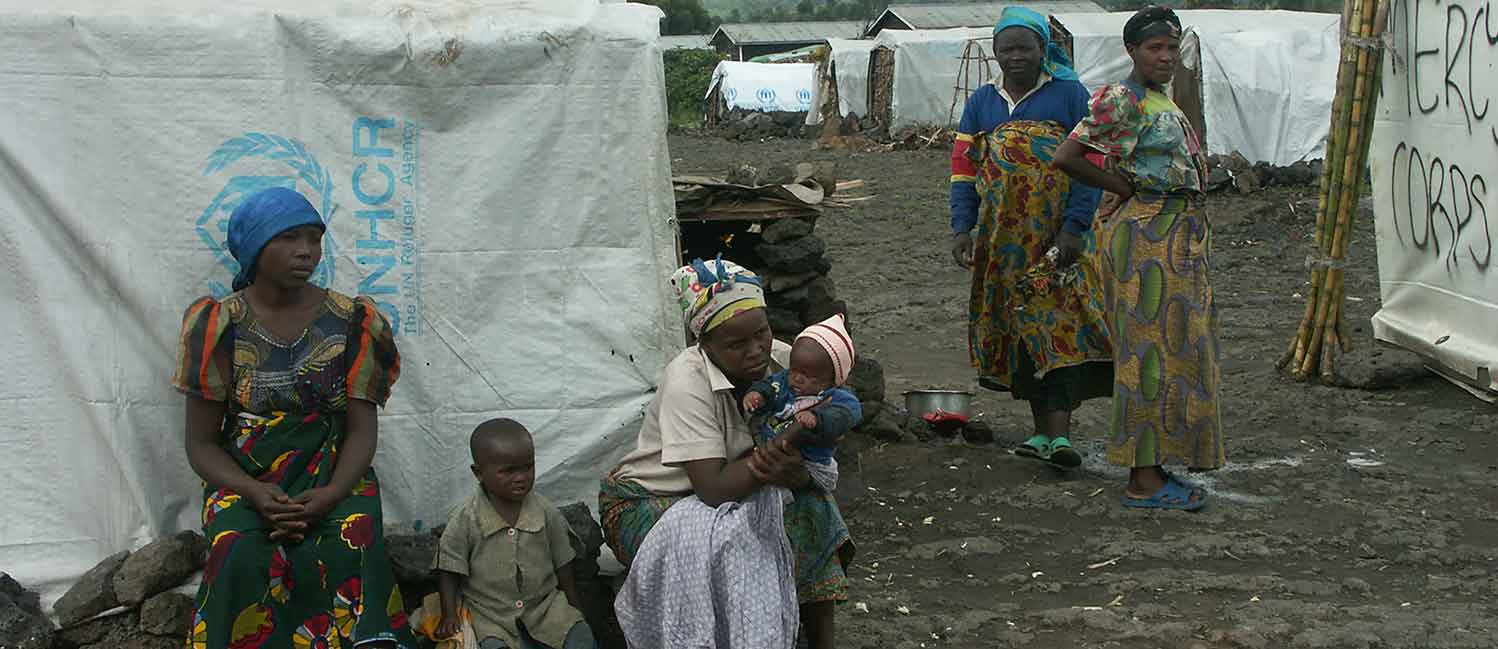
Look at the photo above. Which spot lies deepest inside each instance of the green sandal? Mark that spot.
(1062, 454)
(1037, 447)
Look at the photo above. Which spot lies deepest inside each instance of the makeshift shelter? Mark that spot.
(844, 78)
(965, 14)
(745, 41)
(914, 75)
(1267, 78)
(761, 87)
(1435, 198)
(524, 278)
(1257, 82)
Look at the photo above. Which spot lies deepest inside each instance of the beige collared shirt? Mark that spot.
(694, 416)
(998, 84)
(511, 570)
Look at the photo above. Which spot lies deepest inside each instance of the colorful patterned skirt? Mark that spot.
(818, 534)
(334, 589)
(1034, 330)
(1163, 323)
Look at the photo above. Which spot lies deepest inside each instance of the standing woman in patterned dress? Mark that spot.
(1154, 240)
(1035, 315)
(282, 380)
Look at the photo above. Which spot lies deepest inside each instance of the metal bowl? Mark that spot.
(924, 402)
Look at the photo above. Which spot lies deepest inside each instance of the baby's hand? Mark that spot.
(807, 419)
(754, 401)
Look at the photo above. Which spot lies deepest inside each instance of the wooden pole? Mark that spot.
(1322, 333)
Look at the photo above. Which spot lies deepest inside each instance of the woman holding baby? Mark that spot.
(725, 538)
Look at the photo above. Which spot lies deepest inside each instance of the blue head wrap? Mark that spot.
(1056, 63)
(261, 217)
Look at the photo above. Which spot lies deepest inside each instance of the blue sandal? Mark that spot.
(1175, 495)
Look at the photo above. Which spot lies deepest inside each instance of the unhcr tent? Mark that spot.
(493, 174)
(1267, 77)
(765, 87)
(1434, 163)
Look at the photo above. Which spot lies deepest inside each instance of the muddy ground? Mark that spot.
(1347, 518)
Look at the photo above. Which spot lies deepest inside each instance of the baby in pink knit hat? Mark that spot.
(804, 406)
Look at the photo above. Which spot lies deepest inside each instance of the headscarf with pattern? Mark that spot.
(710, 293)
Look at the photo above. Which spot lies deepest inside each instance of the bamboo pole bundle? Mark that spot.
(1322, 332)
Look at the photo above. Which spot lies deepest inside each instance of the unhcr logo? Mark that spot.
(386, 183)
(766, 96)
(263, 161)
(803, 96)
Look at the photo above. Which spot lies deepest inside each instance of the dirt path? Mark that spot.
(1346, 518)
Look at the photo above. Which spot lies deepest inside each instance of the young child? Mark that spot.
(806, 408)
(506, 552)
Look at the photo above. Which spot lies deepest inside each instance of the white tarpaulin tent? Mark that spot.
(1434, 163)
(850, 66)
(494, 174)
(765, 87)
(1267, 76)
(927, 67)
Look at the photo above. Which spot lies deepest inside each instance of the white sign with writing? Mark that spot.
(1435, 180)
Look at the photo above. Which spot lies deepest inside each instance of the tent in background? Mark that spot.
(1267, 77)
(762, 87)
(1264, 80)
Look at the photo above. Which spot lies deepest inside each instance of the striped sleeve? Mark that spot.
(963, 200)
(202, 367)
(373, 361)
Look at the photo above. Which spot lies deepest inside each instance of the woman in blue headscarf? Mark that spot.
(282, 380)
(1035, 322)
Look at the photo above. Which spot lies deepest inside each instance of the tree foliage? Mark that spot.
(683, 16)
(688, 73)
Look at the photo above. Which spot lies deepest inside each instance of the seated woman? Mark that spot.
(696, 456)
(282, 381)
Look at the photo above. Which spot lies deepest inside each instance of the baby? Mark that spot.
(804, 406)
(506, 556)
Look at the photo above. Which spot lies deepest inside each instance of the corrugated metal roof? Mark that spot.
(946, 16)
(802, 32)
(685, 42)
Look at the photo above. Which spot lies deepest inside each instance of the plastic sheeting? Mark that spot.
(850, 64)
(1435, 194)
(494, 174)
(927, 69)
(765, 87)
(1268, 77)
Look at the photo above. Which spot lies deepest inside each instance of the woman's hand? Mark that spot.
(318, 502)
(778, 464)
(807, 419)
(1068, 248)
(279, 510)
(962, 249)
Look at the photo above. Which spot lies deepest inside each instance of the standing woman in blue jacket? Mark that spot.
(1035, 319)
